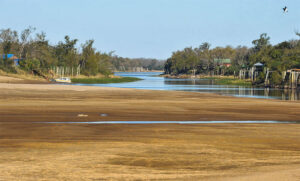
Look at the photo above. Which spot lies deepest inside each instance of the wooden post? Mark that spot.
(283, 75)
(297, 74)
(78, 70)
(293, 80)
(290, 80)
(267, 78)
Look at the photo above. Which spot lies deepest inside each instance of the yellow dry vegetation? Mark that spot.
(40, 151)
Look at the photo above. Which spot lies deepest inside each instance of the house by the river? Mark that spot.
(10, 57)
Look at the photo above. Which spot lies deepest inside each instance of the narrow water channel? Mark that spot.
(152, 81)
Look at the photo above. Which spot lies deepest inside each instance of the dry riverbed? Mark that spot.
(40, 151)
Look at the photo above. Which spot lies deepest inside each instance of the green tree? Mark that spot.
(262, 42)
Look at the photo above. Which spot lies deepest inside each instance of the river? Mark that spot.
(152, 81)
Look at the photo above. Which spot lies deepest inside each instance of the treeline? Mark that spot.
(36, 53)
(127, 64)
(200, 60)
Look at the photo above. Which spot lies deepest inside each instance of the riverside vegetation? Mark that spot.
(221, 80)
(230, 80)
(200, 60)
(37, 55)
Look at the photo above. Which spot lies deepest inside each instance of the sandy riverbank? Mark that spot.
(19, 80)
(119, 152)
(45, 102)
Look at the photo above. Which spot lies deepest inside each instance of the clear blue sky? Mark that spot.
(154, 28)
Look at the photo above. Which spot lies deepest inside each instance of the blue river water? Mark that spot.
(152, 81)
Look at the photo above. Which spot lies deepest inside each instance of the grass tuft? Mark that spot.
(234, 82)
(230, 81)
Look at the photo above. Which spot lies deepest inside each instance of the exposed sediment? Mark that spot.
(33, 151)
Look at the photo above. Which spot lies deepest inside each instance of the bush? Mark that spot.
(7, 65)
(30, 64)
(276, 78)
(260, 79)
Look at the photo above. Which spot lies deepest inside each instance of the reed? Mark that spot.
(230, 81)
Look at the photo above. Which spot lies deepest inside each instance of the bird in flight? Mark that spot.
(285, 9)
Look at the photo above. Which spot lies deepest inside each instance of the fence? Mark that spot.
(60, 71)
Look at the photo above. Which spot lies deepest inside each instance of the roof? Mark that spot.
(222, 61)
(9, 56)
(258, 64)
(295, 70)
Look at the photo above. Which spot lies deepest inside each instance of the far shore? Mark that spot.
(142, 71)
(221, 79)
(197, 76)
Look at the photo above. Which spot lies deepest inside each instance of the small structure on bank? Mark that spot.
(62, 71)
(244, 72)
(221, 65)
(255, 70)
(251, 73)
(291, 78)
(139, 69)
(11, 57)
(222, 62)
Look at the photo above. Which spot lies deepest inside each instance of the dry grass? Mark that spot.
(20, 77)
(27, 78)
(36, 151)
(150, 152)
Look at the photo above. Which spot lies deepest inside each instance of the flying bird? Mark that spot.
(285, 9)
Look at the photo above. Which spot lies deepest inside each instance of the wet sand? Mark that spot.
(37, 102)
(38, 151)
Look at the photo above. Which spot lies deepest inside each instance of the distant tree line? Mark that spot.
(200, 60)
(36, 53)
(127, 64)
